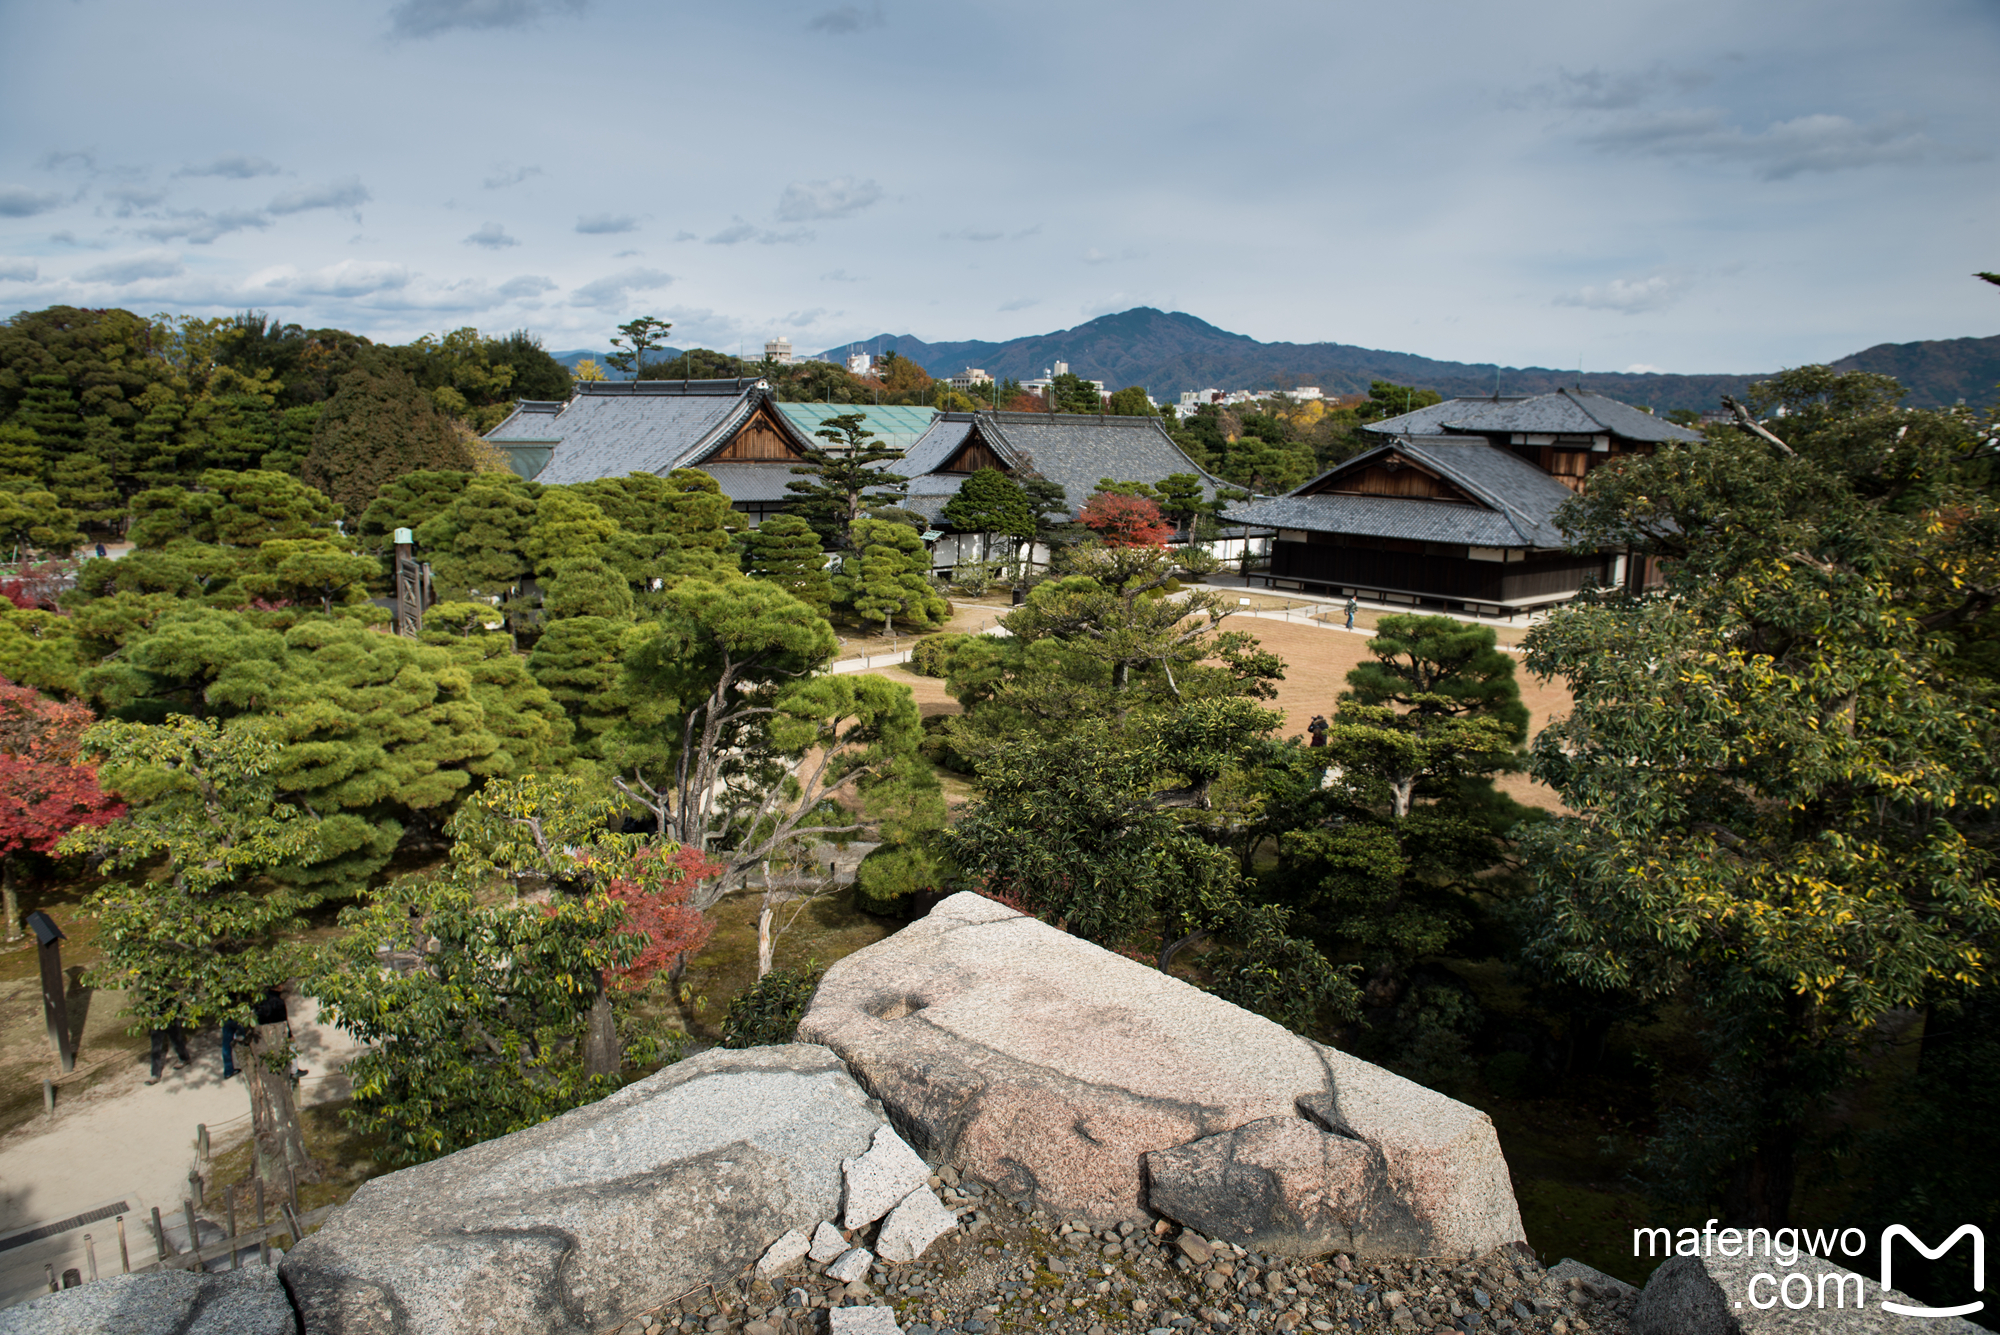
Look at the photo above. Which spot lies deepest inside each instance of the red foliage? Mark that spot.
(656, 907)
(45, 792)
(1026, 403)
(34, 586)
(1126, 521)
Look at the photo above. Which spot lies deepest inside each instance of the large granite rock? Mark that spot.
(679, 1180)
(1096, 1086)
(170, 1302)
(1712, 1295)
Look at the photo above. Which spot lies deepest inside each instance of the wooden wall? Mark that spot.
(1377, 480)
(1428, 573)
(972, 456)
(760, 438)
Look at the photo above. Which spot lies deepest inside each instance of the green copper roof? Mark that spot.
(896, 426)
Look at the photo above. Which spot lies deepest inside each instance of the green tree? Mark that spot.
(1073, 394)
(1131, 401)
(210, 928)
(1780, 794)
(888, 576)
(785, 551)
(1440, 666)
(478, 543)
(634, 340)
(991, 502)
(309, 570)
(840, 480)
(584, 586)
(579, 661)
(566, 527)
(230, 509)
(414, 498)
(1388, 399)
(669, 528)
(737, 748)
(377, 427)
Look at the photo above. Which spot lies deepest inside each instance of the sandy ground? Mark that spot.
(124, 1140)
(1317, 659)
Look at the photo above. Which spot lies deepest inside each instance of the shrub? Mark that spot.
(932, 654)
(888, 880)
(768, 1011)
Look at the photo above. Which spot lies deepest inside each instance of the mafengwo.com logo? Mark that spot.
(1800, 1287)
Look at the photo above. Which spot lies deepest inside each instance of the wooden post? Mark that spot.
(55, 1004)
(201, 1141)
(54, 1287)
(194, 1234)
(90, 1256)
(48, 1098)
(159, 1234)
(292, 1181)
(263, 1238)
(124, 1252)
(197, 1191)
(235, 1253)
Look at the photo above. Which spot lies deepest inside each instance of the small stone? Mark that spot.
(759, 1328)
(949, 1174)
(827, 1244)
(863, 1321)
(878, 1180)
(917, 1221)
(1481, 1297)
(1195, 1248)
(783, 1254)
(850, 1265)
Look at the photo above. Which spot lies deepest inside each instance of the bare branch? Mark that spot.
(1754, 427)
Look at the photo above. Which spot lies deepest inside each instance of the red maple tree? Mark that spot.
(45, 789)
(655, 895)
(1126, 521)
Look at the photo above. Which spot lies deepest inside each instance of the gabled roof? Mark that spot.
(1516, 505)
(1566, 412)
(1072, 449)
(896, 425)
(611, 428)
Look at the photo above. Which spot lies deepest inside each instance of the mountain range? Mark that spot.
(1168, 352)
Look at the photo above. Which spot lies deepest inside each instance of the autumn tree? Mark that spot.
(47, 788)
(1125, 521)
(210, 928)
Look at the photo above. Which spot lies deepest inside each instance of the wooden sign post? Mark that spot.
(55, 1004)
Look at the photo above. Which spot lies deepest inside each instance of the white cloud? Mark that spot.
(492, 237)
(428, 18)
(17, 201)
(1021, 304)
(840, 197)
(134, 268)
(504, 176)
(739, 231)
(18, 271)
(527, 285)
(614, 288)
(1641, 368)
(606, 224)
(347, 279)
(1628, 296)
(848, 19)
(346, 194)
(1783, 149)
(238, 166)
(131, 198)
(200, 228)
(1617, 90)
(841, 276)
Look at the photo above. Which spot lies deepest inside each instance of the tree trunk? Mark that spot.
(1760, 1190)
(765, 946)
(277, 1141)
(13, 900)
(601, 1055)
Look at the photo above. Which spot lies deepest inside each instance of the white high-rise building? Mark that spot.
(778, 350)
(859, 363)
(970, 377)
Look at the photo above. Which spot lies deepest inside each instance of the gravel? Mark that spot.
(1005, 1270)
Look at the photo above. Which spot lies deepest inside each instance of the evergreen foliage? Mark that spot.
(888, 576)
(840, 480)
(785, 551)
(991, 502)
(378, 426)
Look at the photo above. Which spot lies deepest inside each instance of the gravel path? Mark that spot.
(1006, 1270)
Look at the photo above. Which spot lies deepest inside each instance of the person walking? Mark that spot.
(271, 1009)
(172, 1034)
(1351, 608)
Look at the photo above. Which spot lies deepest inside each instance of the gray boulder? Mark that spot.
(679, 1180)
(1712, 1295)
(1097, 1087)
(168, 1302)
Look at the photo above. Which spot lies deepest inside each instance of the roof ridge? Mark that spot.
(1523, 525)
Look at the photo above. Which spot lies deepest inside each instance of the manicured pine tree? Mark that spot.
(585, 586)
(377, 427)
(478, 541)
(578, 661)
(888, 577)
(567, 526)
(785, 551)
(991, 502)
(840, 480)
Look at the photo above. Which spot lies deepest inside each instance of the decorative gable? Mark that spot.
(761, 439)
(1391, 474)
(972, 456)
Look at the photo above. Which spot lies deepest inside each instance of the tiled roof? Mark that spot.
(1072, 449)
(896, 425)
(1564, 412)
(1519, 500)
(612, 428)
(752, 481)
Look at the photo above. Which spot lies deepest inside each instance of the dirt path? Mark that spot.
(120, 1140)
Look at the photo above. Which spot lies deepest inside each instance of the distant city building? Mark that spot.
(778, 350)
(970, 377)
(859, 363)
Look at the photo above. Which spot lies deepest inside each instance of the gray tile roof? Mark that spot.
(1073, 449)
(1519, 500)
(752, 481)
(1565, 412)
(611, 429)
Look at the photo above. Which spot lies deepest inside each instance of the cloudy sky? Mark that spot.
(1699, 185)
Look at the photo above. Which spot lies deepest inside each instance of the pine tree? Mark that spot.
(84, 484)
(991, 502)
(889, 576)
(567, 526)
(416, 498)
(785, 551)
(476, 544)
(584, 586)
(377, 427)
(578, 661)
(20, 457)
(841, 479)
